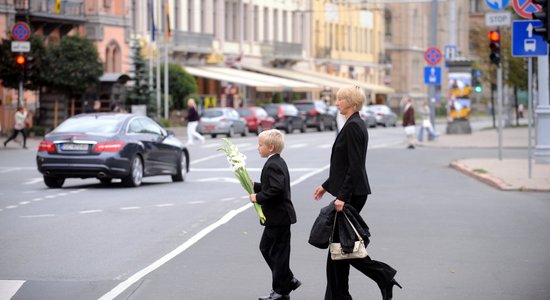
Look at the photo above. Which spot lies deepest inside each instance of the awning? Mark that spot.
(114, 77)
(288, 84)
(376, 88)
(261, 86)
(262, 82)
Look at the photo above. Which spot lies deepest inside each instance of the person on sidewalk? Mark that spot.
(273, 194)
(348, 182)
(408, 121)
(192, 122)
(424, 110)
(19, 126)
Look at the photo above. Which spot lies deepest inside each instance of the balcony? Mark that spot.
(281, 50)
(323, 52)
(192, 42)
(72, 11)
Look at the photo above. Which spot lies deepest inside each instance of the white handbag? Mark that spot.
(359, 248)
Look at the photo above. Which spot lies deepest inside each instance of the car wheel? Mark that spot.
(136, 173)
(54, 182)
(105, 181)
(231, 132)
(182, 168)
(213, 135)
(245, 132)
(321, 126)
(259, 129)
(304, 128)
(289, 128)
(333, 125)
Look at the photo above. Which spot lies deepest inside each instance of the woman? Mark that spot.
(408, 121)
(19, 126)
(348, 182)
(192, 122)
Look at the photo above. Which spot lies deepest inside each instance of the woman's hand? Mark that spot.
(318, 193)
(252, 198)
(339, 204)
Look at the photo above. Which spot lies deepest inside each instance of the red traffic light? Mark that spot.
(494, 36)
(20, 60)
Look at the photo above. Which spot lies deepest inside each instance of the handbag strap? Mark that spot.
(350, 223)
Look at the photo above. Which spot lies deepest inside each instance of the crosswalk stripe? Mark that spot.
(8, 288)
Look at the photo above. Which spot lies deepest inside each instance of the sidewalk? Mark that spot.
(506, 174)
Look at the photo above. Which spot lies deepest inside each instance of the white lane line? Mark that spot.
(228, 169)
(62, 194)
(1, 209)
(227, 199)
(50, 196)
(9, 170)
(38, 216)
(33, 181)
(121, 287)
(218, 179)
(91, 211)
(296, 146)
(37, 199)
(11, 206)
(8, 288)
(130, 207)
(165, 205)
(196, 202)
(24, 202)
(325, 146)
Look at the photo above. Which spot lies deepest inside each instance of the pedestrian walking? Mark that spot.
(408, 121)
(424, 110)
(19, 126)
(192, 122)
(348, 182)
(273, 194)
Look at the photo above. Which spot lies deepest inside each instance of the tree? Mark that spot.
(180, 85)
(73, 65)
(10, 72)
(139, 92)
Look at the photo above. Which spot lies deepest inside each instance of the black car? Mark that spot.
(286, 116)
(110, 145)
(316, 114)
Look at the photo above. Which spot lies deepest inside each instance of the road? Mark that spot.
(449, 236)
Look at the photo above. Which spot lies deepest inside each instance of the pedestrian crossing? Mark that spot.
(8, 288)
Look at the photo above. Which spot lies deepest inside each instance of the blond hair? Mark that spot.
(275, 138)
(353, 95)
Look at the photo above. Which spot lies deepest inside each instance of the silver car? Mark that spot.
(368, 116)
(384, 115)
(222, 120)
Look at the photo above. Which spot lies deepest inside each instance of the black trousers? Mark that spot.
(338, 270)
(14, 135)
(275, 248)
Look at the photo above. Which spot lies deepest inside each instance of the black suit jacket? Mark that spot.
(348, 174)
(273, 193)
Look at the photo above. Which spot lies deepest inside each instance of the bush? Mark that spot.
(38, 130)
(165, 123)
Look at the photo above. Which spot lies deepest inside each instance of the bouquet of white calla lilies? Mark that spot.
(237, 162)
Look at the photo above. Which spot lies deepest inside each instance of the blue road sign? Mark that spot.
(524, 42)
(497, 4)
(432, 75)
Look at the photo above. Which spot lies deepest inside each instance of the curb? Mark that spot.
(485, 178)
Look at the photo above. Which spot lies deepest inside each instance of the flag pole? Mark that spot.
(166, 40)
(158, 70)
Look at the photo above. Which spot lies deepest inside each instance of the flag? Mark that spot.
(168, 32)
(57, 8)
(153, 28)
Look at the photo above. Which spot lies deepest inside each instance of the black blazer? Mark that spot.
(348, 174)
(273, 193)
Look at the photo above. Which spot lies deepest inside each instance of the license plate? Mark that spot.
(74, 147)
(210, 127)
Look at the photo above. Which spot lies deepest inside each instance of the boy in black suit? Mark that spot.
(273, 194)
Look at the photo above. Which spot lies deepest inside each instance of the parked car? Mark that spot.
(110, 145)
(222, 120)
(316, 114)
(384, 115)
(368, 116)
(286, 116)
(256, 118)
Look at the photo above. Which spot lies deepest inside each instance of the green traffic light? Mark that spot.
(478, 89)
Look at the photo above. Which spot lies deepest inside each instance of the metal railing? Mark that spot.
(193, 42)
(70, 8)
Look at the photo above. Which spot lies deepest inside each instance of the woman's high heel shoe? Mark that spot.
(389, 289)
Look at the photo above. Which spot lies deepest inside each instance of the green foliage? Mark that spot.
(10, 71)
(277, 98)
(165, 123)
(180, 85)
(140, 93)
(73, 65)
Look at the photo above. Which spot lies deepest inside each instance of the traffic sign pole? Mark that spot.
(499, 104)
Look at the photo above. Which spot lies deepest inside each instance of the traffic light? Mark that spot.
(544, 16)
(20, 60)
(476, 81)
(29, 66)
(494, 45)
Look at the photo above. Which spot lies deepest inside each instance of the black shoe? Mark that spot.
(389, 289)
(410, 147)
(275, 296)
(295, 283)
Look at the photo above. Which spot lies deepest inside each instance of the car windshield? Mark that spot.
(212, 113)
(244, 112)
(91, 124)
(272, 110)
(304, 106)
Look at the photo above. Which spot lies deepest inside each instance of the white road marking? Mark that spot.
(50, 196)
(8, 170)
(165, 205)
(228, 169)
(62, 194)
(11, 206)
(8, 288)
(38, 216)
(325, 146)
(91, 211)
(296, 146)
(217, 179)
(33, 181)
(196, 202)
(24, 202)
(121, 287)
(227, 199)
(130, 207)
(37, 199)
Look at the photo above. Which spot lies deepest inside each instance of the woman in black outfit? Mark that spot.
(348, 182)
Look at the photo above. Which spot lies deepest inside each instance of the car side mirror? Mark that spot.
(170, 133)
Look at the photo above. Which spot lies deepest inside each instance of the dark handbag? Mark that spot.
(359, 248)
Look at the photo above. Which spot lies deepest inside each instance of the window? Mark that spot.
(387, 24)
(266, 24)
(190, 17)
(150, 126)
(275, 25)
(112, 58)
(215, 18)
(285, 27)
(246, 30)
(256, 25)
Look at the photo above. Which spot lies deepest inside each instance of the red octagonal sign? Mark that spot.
(433, 56)
(21, 31)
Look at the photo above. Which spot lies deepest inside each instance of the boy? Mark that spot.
(273, 193)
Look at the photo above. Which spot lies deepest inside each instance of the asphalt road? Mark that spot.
(449, 236)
